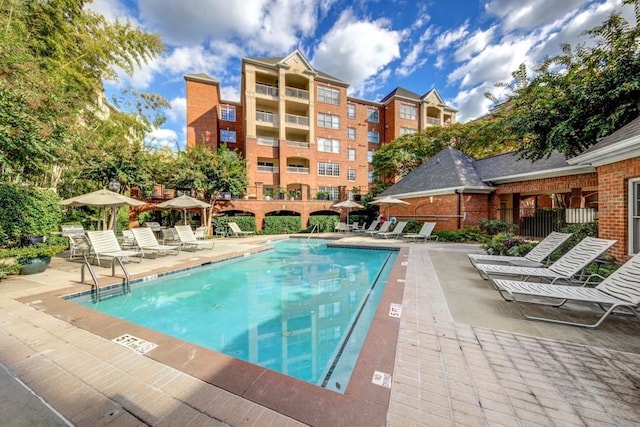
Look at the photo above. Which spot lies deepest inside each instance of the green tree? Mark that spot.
(54, 57)
(582, 94)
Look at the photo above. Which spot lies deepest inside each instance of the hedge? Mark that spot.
(282, 224)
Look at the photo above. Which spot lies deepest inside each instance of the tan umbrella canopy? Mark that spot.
(103, 199)
(388, 201)
(184, 202)
(348, 204)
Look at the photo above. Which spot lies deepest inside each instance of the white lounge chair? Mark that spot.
(423, 234)
(146, 241)
(105, 244)
(342, 227)
(534, 258)
(188, 239)
(383, 229)
(72, 229)
(78, 245)
(619, 292)
(395, 234)
(565, 268)
(235, 231)
(372, 227)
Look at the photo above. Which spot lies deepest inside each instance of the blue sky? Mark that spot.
(459, 47)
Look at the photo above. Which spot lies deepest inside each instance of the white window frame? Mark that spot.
(373, 115)
(328, 95)
(227, 135)
(351, 175)
(328, 121)
(373, 137)
(351, 154)
(351, 111)
(408, 112)
(328, 169)
(228, 113)
(333, 192)
(328, 145)
(370, 154)
(407, 131)
(351, 133)
(634, 216)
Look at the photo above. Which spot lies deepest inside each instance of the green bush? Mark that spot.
(246, 223)
(282, 224)
(325, 223)
(495, 226)
(580, 231)
(27, 211)
(413, 226)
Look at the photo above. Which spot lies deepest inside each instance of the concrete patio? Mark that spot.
(463, 357)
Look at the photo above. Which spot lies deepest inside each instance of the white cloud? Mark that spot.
(160, 138)
(417, 55)
(528, 14)
(471, 103)
(355, 50)
(178, 111)
(474, 44)
(230, 93)
(446, 39)
(112, 10)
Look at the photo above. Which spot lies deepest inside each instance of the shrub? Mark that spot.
(282, 224)
(325, 223)
(465, 234)
(413, 226)
(580, 231)
(495, 226)
(246, 223)
(27, 211)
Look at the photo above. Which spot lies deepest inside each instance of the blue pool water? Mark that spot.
(302, 309)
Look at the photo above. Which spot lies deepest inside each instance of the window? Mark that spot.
(373, 115)
(328, 121)
(406, 131)
(370, 177)
(370, 156)
(351, 154)
(328, 310)
(328, 95)
(228, 113)
(373, 137)
(408, 111)
(351, 133)
(634, 216)
(228, 135)
(351, 174)
(266, 166)
(328, 169)
(332, 192)
(329, 145)
(351, 111)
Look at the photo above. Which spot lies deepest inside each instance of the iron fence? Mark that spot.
(539, 223)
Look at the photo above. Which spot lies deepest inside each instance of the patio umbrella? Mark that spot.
(388, 201)
(104, 199)
(184, 202)
(348, 204)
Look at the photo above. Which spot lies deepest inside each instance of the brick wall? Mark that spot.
(202, 117)
(559, 184)
(613, 198)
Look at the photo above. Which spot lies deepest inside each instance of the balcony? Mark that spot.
(264, 89)
(296, 93)
(268, 169)
(435, 121)
(266, 141)
(264, 117)
(298, 144)
(298, 169)
(297, 120)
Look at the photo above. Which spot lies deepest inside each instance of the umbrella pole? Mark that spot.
(115, 219)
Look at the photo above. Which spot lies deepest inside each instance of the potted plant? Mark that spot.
(33, 258)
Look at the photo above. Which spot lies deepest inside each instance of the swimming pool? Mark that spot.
(302, 308)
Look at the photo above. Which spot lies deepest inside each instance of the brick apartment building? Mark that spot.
(303, 137)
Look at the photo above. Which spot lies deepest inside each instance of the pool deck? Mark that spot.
(459, 355)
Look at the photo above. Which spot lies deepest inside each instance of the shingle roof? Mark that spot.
(627, 131)
(512, 164)
(401, 92)
(450, 168)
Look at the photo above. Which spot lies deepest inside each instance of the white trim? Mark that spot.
(550, 173)
(444, 192)
(619, 151)
(630, 203)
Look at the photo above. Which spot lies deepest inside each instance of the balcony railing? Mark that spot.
(300, 144)
(297, 169)
(297, 120)
(269, 142)
(264, 89)
(263, 116)
(270, 169)
(296, 93)
(433, 121)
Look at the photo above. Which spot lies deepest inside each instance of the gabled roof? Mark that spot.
(453, 171)
(620, 145)
(275, 60)
(448, 170)
(200, 77)
(401, 93)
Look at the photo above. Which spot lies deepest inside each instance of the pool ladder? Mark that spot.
(110, 291)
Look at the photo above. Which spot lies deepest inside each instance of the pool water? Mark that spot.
(302, 309)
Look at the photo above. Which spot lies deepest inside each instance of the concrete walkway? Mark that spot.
(447, 371)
